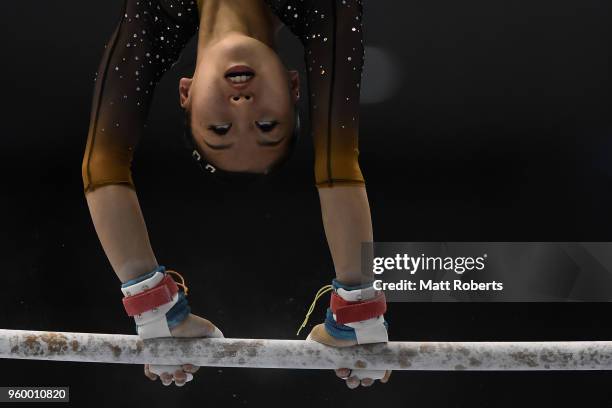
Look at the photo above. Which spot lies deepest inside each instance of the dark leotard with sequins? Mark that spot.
(149, 40)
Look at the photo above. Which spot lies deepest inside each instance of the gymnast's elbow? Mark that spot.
(98, 170)
(341, 172)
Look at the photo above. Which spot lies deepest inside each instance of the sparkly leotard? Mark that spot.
(148, 41)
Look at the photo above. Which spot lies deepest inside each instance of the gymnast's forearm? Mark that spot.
(121, 229)
(348, 223)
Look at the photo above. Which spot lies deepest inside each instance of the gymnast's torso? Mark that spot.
(149, 39)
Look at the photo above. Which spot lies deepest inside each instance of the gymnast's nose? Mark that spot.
(240, 99)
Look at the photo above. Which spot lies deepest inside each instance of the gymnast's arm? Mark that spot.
(146, 42)
(347, 223)
(121, 228)
(334, 60)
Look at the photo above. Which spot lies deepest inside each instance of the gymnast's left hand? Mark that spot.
(192, 326)
(320, 335)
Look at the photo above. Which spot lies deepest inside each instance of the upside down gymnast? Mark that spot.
(241, 122)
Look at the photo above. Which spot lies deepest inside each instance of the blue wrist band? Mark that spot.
(179, 311)
(337, 285)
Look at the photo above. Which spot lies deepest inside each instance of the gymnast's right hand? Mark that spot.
(192, 326)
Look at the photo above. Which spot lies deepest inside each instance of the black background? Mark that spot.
(499, 129)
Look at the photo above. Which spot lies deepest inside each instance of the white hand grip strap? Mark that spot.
(152, 323)
(146, 284)
(357, 295)
(155, 329)
(367, 331)
(370, 331)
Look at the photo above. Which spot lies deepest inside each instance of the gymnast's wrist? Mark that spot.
(157, 302)
(356, 313)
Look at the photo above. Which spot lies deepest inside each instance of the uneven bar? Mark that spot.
(299, 354)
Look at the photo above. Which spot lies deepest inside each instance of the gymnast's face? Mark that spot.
(241, 102)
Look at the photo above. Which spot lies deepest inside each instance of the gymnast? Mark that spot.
(241, 123)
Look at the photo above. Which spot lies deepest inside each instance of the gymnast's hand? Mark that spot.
(192, 326)
(320, 335)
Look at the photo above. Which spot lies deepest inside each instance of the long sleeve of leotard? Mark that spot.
(331, 32)
(147, 41)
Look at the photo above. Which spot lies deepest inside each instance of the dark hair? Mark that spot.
(236, 177)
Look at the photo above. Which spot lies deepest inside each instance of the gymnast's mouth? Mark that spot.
(239, 75)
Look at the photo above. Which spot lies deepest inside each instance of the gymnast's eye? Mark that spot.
(220, 129)
(266, 125)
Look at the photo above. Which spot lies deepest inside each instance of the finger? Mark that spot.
(190, 368)
(180, 383)
(166, 378)
(386, 377)
(352, 382)
(180, 378)
(343, 373)
(149, 374)
(367, 382)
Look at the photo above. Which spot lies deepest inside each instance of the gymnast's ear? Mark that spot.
(294, 83)
(184, 87)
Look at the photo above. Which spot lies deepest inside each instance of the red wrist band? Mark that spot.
(151, 298)
(350, 312)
